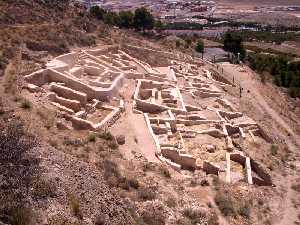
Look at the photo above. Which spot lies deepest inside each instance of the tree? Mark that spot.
(97, 12)
(126, 19)
(111, 18)
(200, 47)
(234, 43)
(158, 25)
(143, 20)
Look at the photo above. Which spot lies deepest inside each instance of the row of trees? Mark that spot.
(268, 36)
(234, 43)
(285, 73)
(140, 19)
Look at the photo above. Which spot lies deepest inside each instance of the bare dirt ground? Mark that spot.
(280, 125)
(138, 139)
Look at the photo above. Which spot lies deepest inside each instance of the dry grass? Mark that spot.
(11, 75)
(229, 205)
(47, 116)
(21, 216)
(75, 206)
(146, 194)
(153, 215)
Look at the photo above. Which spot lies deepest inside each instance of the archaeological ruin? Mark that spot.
(192, 122)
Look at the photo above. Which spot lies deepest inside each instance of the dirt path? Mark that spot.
(248, 82)
(133, 126)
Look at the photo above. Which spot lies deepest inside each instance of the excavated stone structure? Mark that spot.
(191, 120)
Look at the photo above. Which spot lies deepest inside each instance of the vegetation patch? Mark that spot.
(146, 194)
(25, 104)
(91, 137)
(106, 136)
(230, 205)
(75, 206)
(21, 216)
(43, 188)
(285, 73)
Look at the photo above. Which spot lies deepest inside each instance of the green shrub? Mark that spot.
(106, 136)
(113, 145)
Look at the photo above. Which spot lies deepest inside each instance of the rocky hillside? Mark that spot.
(45, 11)
(51, 26)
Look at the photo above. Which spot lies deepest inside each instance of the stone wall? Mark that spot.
(186, 161)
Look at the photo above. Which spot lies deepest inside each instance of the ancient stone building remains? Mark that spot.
(193, 124)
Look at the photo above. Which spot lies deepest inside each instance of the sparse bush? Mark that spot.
(17, 98)
(73, 142)
(10, 76)
(146, 194)
(91, 137)
(171, 202)
(106, 136)
(25, 104)
(126, 183)
(213, 219)
(46, 116)
(194, 214)
(112, 173)
(110, 169)
(18, 169)
(225, 204)
(153, 215)
(87, 40)
(120, 139)
(43, 189)
(53, 143)
(134, 183)
(244, 210)
(101, 219)
(75, 206)
(204, 182)
(165, 172)
(21, 216)
(274, 149)
(113, 145)
(296, 187)
(63, 221)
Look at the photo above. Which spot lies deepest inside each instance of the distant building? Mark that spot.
(202, 8)
(90, 3)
